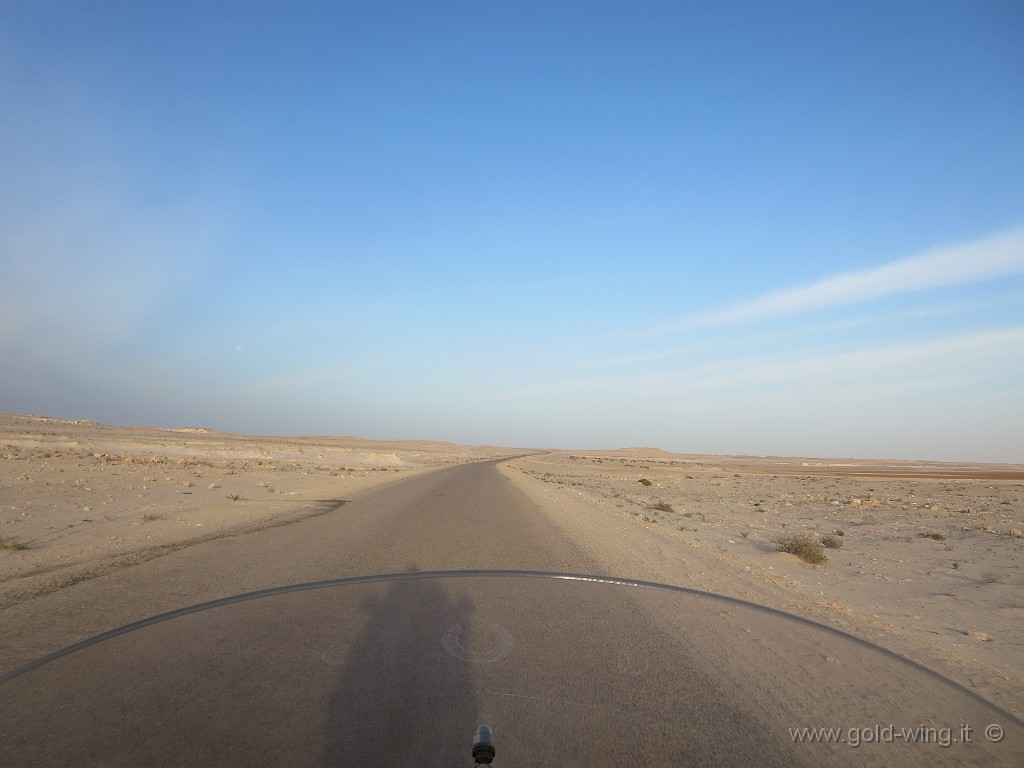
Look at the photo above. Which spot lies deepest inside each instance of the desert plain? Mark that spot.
(922, 558)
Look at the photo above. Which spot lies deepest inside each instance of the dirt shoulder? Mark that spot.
(926, 561)
(79, 499)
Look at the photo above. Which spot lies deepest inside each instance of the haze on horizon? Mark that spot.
(723, 228)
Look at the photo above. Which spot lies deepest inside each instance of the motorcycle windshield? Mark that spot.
(566, 670)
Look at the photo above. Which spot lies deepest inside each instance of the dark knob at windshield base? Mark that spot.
(483, 746)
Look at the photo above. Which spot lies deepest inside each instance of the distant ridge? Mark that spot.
(651, 453)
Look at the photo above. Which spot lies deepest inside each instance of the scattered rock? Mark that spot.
(1017, 533)
(983, 636)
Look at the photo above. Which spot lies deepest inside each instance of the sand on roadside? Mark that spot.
(79, 498)
(926, 561)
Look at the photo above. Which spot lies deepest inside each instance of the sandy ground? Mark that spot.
(79, 498)
(928, 564)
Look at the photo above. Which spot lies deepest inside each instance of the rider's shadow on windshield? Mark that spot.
(402, 696)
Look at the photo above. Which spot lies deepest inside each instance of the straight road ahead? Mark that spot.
(401, 672)
(464, 517)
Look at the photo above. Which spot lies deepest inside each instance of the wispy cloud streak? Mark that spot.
(986, 354)
(993, 354)
(982, 260)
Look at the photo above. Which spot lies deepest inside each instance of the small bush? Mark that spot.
(956, 565)
(149, 517)
(663, 506)
(803, 546)
(12, 545)
(644, 481)
(831, 542)
(935, 536)
(990, 577)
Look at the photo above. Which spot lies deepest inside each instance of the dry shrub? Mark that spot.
(803, 546)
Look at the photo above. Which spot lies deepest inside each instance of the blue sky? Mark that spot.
(723, 227)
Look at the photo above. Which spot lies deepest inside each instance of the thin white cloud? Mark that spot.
(992, 356)
(981, 260)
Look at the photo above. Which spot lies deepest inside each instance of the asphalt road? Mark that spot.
(463, 517)
(401, 672)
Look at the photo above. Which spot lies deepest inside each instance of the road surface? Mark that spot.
(463, 517)
(401, 672)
